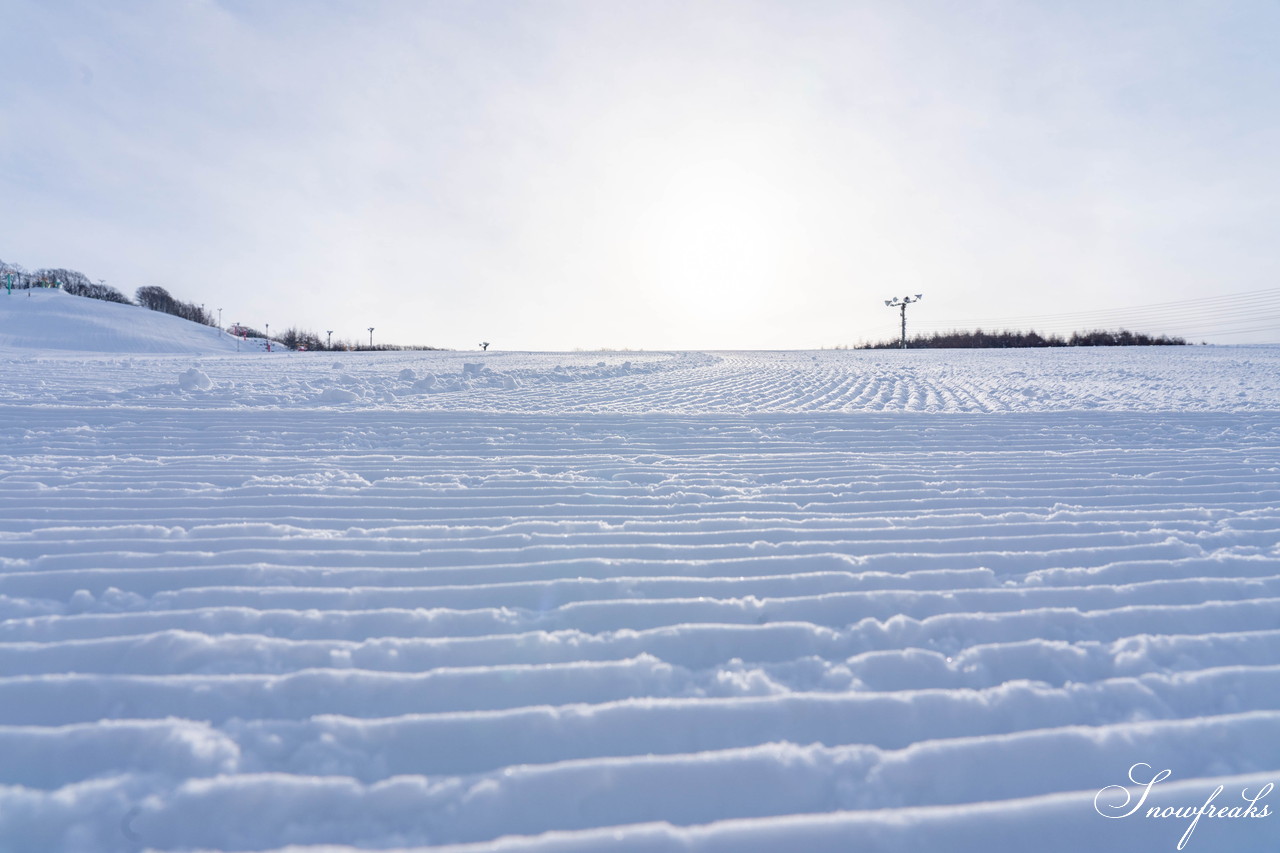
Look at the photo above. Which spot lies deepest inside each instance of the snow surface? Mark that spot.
(822, 601)
(53, 319)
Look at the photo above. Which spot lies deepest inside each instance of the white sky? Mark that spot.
(651, 174)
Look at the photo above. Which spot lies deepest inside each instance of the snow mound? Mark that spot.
(194, 379)
(338, 395)
(54, 320)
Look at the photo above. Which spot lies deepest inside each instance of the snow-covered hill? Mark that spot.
(48, 319)
(821, 601)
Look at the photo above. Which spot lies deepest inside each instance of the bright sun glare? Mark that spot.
(716, 233)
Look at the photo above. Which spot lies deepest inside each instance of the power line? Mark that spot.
(1237, 330)
(1189, 315)
(1244, 312)
(1213, 321)
(1267, 294)
(1184, 317)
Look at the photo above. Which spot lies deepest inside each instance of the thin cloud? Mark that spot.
(646, 175)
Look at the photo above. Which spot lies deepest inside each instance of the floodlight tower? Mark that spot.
(371, 337)
(903, 303)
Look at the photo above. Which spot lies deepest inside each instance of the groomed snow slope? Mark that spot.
(51, 319)
(780, 601)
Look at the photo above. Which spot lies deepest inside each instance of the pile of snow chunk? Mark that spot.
(473, 376)
(194, 379)
(338, 395)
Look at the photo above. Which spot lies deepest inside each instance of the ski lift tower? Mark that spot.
(903, 303)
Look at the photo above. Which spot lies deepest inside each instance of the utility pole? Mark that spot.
(903, 303)
(329, 332)
(371, 337)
